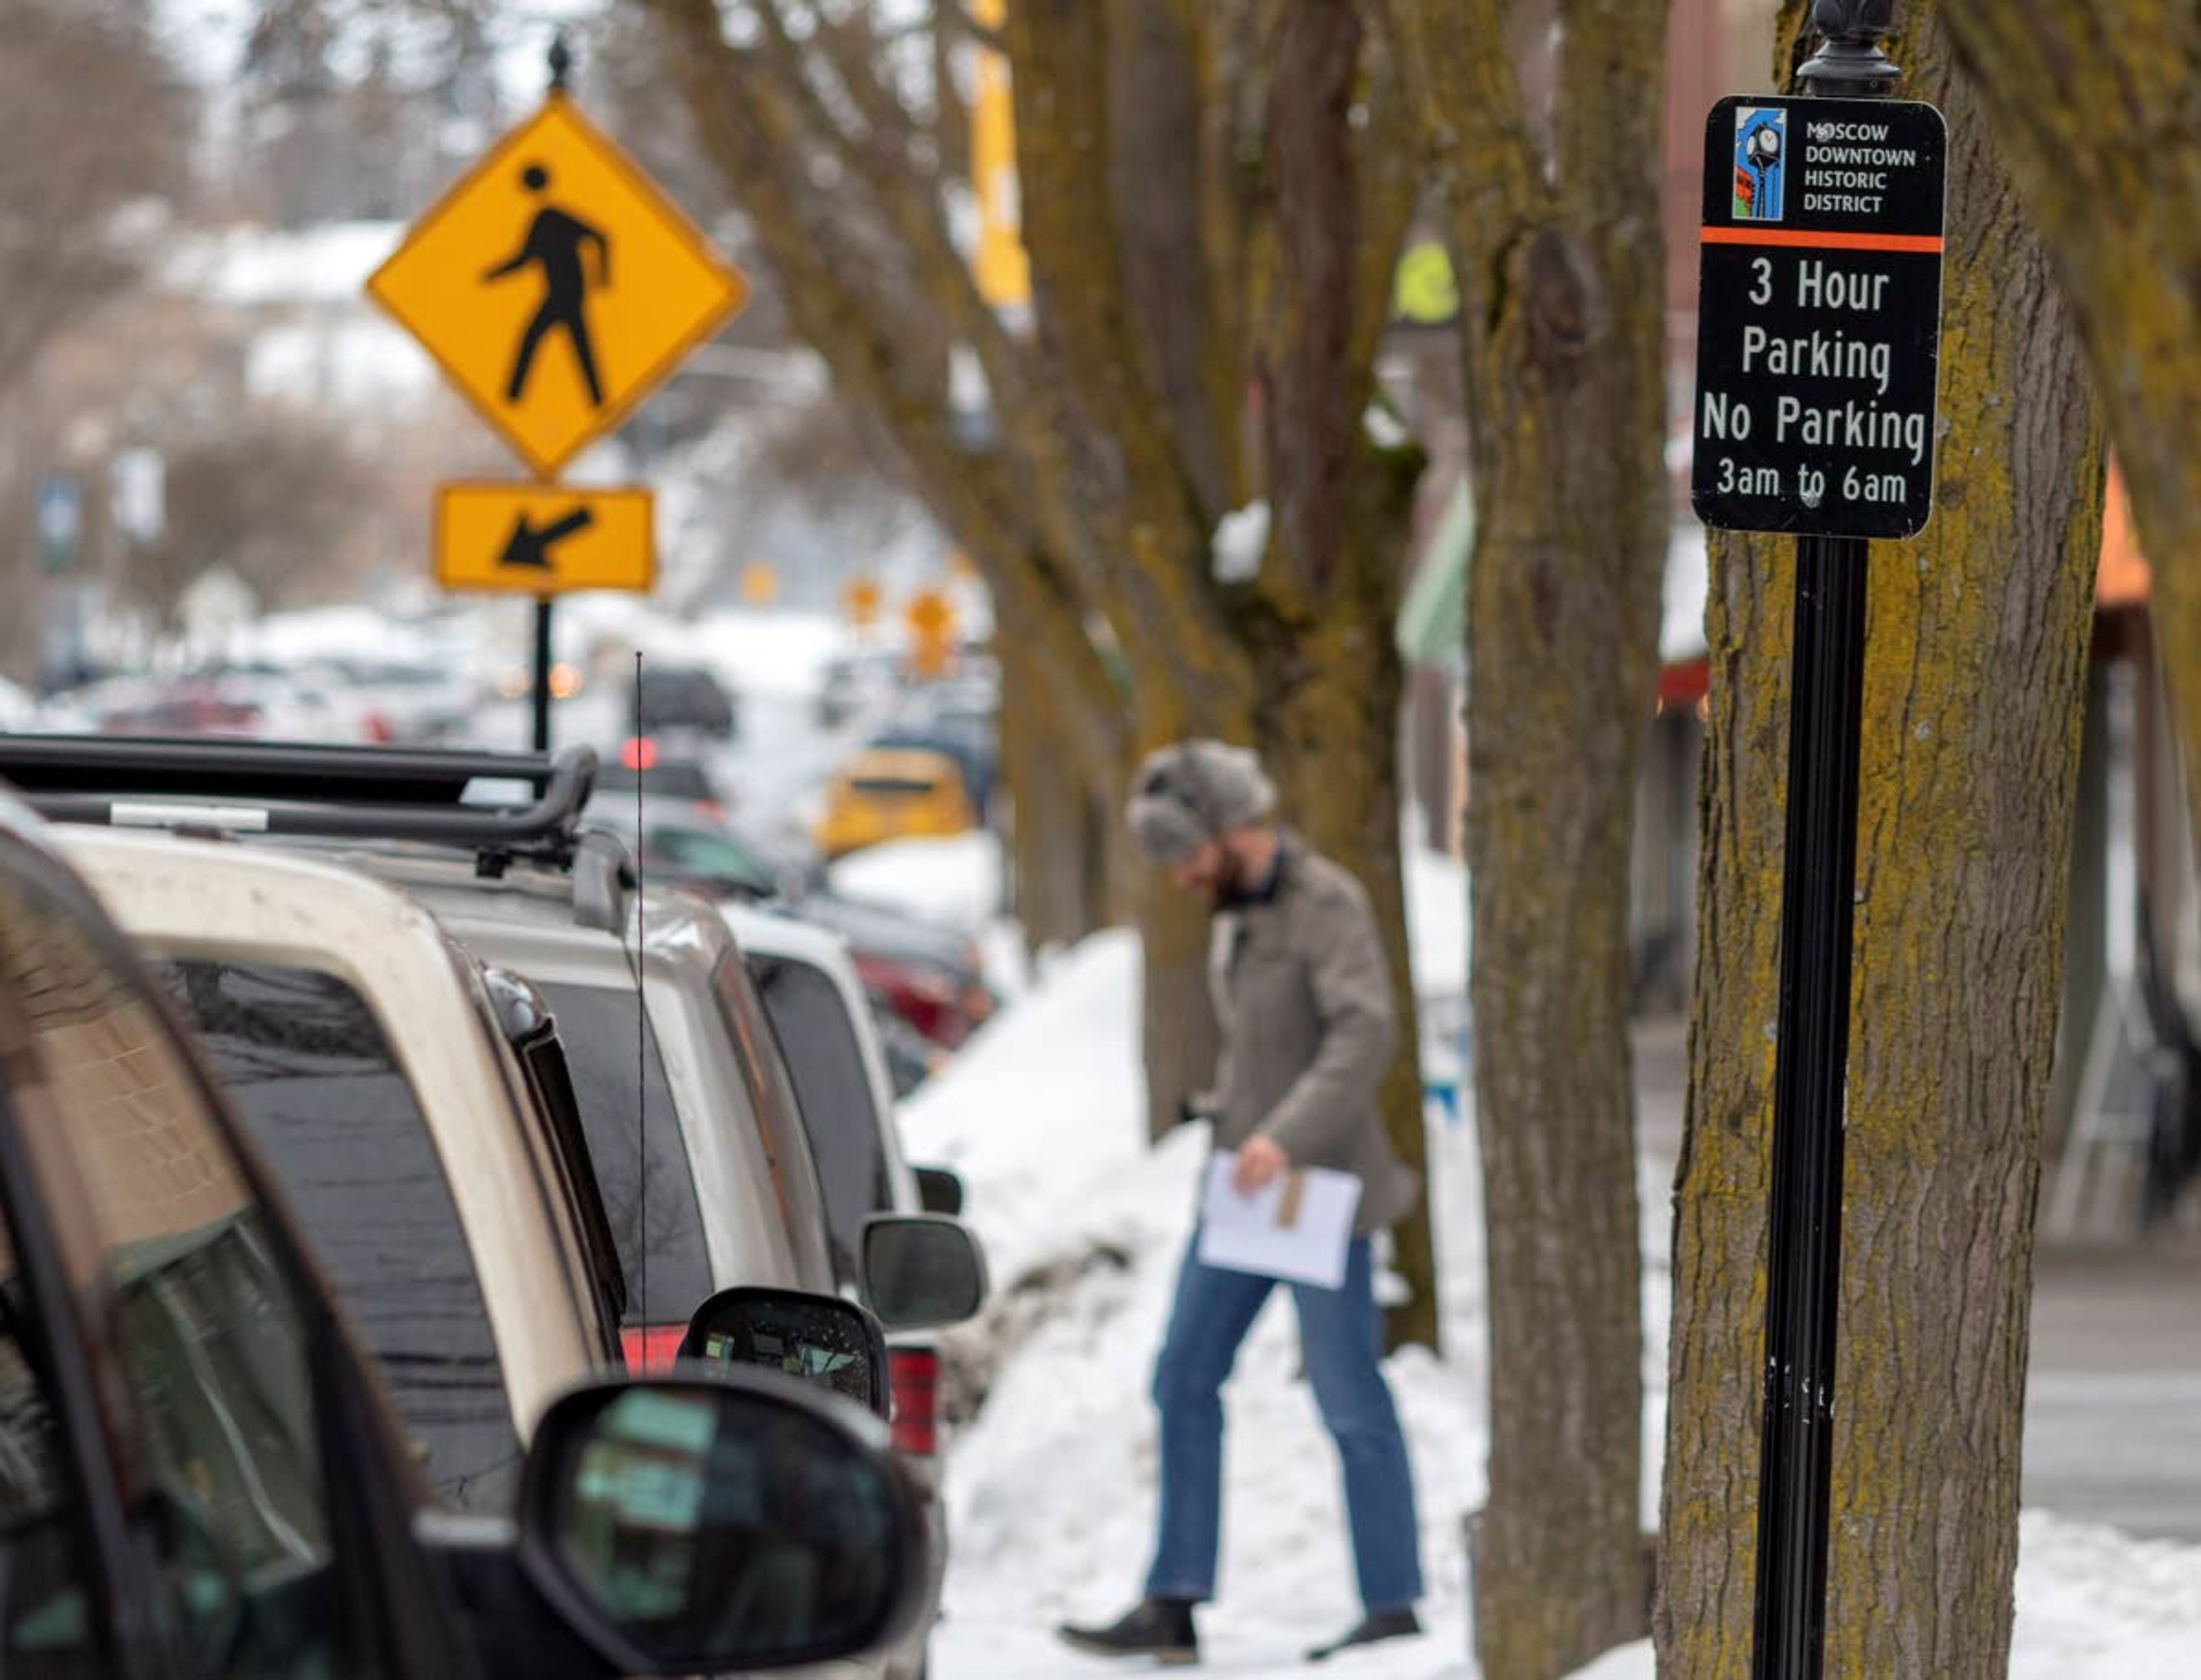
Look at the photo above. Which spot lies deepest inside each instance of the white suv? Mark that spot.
(358, 1044)
(826, 1032)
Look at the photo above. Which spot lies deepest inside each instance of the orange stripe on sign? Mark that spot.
(1841, 242)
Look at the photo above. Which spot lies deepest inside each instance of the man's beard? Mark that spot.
(1228, 887)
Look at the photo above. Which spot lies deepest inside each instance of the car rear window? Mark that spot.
(310, 1070)
(893, 786)
(779, 1118)
(834, 1086)
(667, 1265)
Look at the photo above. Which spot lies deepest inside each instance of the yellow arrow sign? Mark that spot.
(530, 541)
(556, 285)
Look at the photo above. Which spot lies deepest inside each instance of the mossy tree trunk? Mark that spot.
(1558, 240)
(1331, 696)
(2094, 103)
(1066, 874)
(1977, 636)
(1214, 193)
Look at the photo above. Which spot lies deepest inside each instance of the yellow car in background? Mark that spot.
(894, 793)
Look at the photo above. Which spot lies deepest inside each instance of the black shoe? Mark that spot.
(1373, 1630)
(1159, 1628)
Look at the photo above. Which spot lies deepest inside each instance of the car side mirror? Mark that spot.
(939, 1190)
(715, 1522)
(922, 1272)
(818, 1339)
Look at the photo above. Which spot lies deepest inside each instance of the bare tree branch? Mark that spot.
(1304, 360)
(1388, 165)
(89, 127)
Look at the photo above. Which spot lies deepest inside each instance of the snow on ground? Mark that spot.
(1436, 922)
(18, 709)
(253, 264)
(956, 882)
(342, 632)
(1039, 1109)
(784, 652)
(1050, 1488)
(2092, 1604)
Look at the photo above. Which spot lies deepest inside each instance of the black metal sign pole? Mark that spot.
(542, 690)
(560, 59)
(1818, 892)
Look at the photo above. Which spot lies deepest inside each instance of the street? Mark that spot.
(2113, 1400)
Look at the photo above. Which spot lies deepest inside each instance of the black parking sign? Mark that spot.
(1818, 316)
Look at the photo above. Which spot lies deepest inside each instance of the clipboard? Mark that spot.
(1296, 1229)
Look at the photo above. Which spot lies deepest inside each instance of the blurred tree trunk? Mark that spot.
(1334, 700)
(2093, 103)
(1558, 240)
(1214, 198)
(1061, 865)
(1977, 638)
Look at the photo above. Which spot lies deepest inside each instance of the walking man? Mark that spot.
(1304, 997)
(553, 243)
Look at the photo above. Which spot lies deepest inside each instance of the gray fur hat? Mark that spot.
(1186, 794)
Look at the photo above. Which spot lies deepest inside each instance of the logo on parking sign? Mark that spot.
(1761, 151)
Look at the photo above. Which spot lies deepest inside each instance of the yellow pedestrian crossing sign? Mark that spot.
(542, 540)
(556, 285)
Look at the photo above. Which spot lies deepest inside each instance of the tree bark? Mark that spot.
(1059, 864)
(1330, 704)
(1977, 635)
(2093, 103)
(1556, 235)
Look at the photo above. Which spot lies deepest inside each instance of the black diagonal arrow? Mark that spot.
(531, 548)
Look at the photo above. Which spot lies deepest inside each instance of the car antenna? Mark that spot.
(641, 1026)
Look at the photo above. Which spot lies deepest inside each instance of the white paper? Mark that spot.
(1247, 1233)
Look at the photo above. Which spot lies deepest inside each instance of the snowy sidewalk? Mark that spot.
(1051, 1490)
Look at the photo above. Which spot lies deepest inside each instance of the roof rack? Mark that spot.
(354, 793)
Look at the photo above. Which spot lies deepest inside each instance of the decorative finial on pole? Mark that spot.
(561, 62)
(1849, 60)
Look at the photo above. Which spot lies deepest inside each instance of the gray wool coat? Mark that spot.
(1303, 994)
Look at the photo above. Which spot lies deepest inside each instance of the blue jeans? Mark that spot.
(1340, 1334)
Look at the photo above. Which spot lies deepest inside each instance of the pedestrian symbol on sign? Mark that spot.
(1761, 145)
(556, 285)
(555, 243)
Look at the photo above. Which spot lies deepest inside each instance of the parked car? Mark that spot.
(691, 1118)
(202, 1478)
(958, 719)
(721, 1189)
(661, 769)
(823, 1022)
(892, 793)
(932, 979)
(850, 685)
(911, 1057)
(681, 840)
(363, 1052)
(682, 697)
(415, 702)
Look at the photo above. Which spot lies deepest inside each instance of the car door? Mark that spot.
(246, 1511)
(57, 1499)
